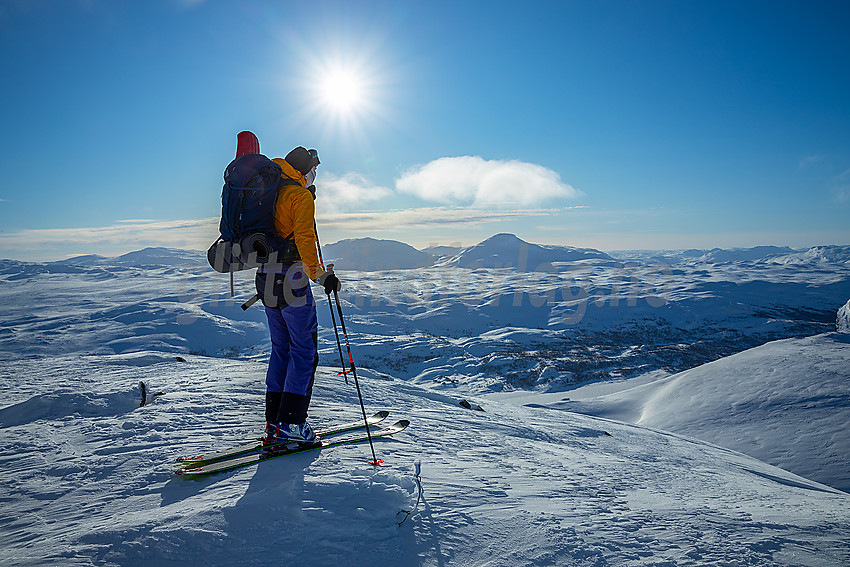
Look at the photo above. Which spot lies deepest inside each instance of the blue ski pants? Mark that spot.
(294, 358)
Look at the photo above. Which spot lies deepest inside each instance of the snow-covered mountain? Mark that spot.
(499, 251)
(148, 257)
(369, 254)
(817, 254)
(758, 254)
(441, 253)
(745, 254)
(508, 251)
(85, 260)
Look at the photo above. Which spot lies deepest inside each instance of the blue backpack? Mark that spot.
(248, 236)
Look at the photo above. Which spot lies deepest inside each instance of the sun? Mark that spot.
(342, 91)
(343, 94)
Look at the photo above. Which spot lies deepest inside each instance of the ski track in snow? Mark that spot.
(88, 480)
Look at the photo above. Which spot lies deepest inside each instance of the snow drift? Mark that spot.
(786, 403)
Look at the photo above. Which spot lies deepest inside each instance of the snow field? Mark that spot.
(86, 476)
(89, 480)
(786, 403)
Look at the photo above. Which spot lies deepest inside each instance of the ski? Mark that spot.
(258, 444)
(255, 458)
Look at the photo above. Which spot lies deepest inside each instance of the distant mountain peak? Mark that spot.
(503, 237)
(506, 250)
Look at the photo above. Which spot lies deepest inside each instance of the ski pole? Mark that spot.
(375, 461)
(344, 372)
(333, 317)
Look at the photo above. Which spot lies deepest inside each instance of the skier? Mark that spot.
(288, 300)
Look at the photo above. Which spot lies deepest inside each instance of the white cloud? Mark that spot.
(472, 180)
(351, 190)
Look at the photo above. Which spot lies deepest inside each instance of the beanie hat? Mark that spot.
(247, 143)
(302, 159)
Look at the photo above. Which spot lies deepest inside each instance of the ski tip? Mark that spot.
(189, 459)
(382, 414)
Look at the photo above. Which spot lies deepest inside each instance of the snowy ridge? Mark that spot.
(817, 254)
(498, 251)
(148, 257)
(506, 250)
(760, 254)
(745, 254)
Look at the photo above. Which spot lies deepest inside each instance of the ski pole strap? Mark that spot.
(250, 302)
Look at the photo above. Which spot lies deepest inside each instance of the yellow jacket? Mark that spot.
(295, 213)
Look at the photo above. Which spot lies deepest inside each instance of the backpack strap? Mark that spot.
(254, 298)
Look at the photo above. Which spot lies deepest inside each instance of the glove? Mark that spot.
(329, 281)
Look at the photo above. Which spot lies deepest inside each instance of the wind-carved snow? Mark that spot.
(843, 319)
(87, 476)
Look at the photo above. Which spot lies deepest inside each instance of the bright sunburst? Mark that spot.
(342, 91)
(346, 90)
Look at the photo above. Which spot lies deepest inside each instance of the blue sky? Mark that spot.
(609, 124)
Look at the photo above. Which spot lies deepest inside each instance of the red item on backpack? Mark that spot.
(247, 143)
